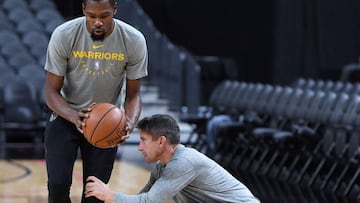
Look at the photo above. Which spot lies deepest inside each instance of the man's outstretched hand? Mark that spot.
(95, 187)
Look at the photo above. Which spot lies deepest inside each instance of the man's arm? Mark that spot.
(132, 103)
(165, 187)
(57, 103)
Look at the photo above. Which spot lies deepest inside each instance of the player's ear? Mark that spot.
(83, 7)
(115, 8)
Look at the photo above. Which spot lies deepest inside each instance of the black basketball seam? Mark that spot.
(111, 131)
(97, 124)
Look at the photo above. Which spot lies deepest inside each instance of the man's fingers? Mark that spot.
(90, 185)
(88, 192)
(91, 179)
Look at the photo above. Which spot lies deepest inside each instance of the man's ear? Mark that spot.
(162, 140)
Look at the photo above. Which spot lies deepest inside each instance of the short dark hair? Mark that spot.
(161, 125)
(112, 2)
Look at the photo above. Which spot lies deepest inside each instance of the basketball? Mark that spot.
(105, 125)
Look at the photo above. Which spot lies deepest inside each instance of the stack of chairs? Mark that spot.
(28, 26)
(302, 138)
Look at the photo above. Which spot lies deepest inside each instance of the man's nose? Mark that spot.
(98, 23)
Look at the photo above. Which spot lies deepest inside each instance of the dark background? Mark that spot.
(273, 41)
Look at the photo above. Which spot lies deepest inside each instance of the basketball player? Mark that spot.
(88, 59)
(181, 173)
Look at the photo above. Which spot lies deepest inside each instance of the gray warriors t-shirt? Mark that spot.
(94, 71)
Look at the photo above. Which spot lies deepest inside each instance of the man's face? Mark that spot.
(99, 18)
(150, 148)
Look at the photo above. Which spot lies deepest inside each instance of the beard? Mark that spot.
(95, 37)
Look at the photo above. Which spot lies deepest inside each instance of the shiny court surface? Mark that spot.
(24, 181)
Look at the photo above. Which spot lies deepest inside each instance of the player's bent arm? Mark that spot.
(55, 101)
(132, 103)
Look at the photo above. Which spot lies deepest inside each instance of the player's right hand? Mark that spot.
(83, 114)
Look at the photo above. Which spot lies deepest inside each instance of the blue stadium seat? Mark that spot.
(52, 24)
(19, 14)
(13, 48)
(21, 59)
(46, 14)
(8, 36)
(22, 119)
(37, 5)
(13, 4)
(30, 24)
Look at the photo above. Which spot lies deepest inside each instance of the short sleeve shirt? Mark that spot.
(94, 71)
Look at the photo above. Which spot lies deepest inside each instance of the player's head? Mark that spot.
(161, 125)
(99, 17)
(112, 2)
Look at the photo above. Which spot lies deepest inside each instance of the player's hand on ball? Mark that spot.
(82, 115)
(125, 136)
(128, 129)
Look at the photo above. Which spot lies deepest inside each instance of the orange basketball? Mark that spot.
(105, 126)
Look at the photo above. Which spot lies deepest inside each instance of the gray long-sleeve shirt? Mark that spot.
(190, 177)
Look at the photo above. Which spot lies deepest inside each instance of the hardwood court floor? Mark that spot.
(24, 181)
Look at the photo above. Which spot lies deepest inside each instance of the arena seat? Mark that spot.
(30, 24)
(36, 82)
(13, 48)
(22, 118)
(8, 36)
(19, 14)
(34, 38)
(46, 14)
(21, 59)
(52, 24)
(37, 5)
(13, 4)
(5, 23)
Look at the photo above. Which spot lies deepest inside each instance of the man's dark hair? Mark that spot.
(112, 2)
(161, 125)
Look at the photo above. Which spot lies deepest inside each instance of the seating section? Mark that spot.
(27, 26)
(304, 135)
